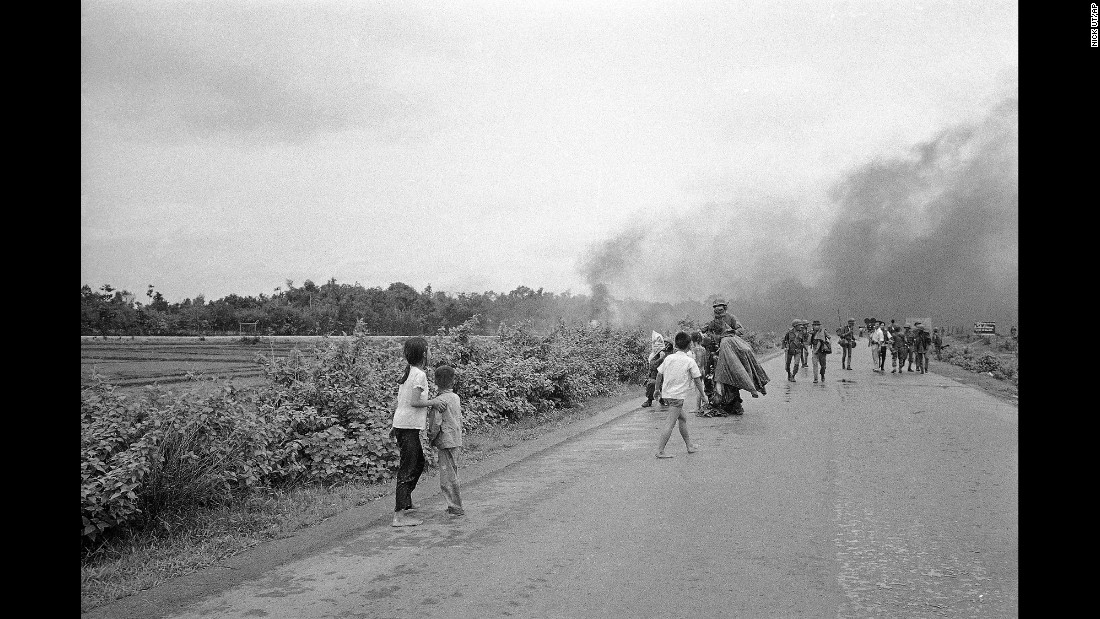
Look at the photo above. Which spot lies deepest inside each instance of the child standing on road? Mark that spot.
(445, 432)
(677, 376)
(701, 356)
(408, 420)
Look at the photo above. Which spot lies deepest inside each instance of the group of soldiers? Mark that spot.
(730, 366)
(809, 341)
(907, 344)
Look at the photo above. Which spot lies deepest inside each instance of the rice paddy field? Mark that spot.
(134, 362)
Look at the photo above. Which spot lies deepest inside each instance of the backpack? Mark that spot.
(826, 345)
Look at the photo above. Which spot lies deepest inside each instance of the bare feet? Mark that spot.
(693, 449)
(661, 454)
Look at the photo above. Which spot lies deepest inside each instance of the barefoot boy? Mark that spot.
(677, 377)
(445, 431)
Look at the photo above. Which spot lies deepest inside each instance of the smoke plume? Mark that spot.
(933, 233)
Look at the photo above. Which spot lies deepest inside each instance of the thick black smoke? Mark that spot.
(931, 234)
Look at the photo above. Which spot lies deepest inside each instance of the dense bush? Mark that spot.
(1000, 366)
(144, 455)
(322, 417)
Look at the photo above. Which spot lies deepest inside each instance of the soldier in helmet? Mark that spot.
(794, 343)
(723, 323)
(736, 366)
(819, 339)
(804, 329)
(899, 350)
(847, 342)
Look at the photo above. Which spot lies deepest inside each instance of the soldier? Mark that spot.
(819, 341)
(804, 329)
(921, 343)
(794, 345)
(937, 342)
(908, 336)
(723, 323)
(847, 343)
(735, 365)
(899, 352)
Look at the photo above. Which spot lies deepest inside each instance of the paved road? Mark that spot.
(868, 496)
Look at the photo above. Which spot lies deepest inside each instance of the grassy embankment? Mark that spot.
(988, 362)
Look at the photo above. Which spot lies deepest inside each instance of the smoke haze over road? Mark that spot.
(931, 232)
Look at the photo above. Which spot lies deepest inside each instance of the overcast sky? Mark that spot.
(473, 146)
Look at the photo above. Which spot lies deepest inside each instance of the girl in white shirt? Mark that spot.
(408, 420)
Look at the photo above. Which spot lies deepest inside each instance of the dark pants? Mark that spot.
(796, 357)
(819, 361)
(882, 358)
(650, 385)
(411, 466)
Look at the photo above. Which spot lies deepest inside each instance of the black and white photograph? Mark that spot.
(550, 308)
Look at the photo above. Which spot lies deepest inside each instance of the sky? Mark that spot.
(229, 146)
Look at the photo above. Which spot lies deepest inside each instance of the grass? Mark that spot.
(1003, 348)
(184, 543)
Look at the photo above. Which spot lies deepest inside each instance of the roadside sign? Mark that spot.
(985, 327)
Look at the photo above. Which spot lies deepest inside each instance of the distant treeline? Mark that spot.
(330, 308)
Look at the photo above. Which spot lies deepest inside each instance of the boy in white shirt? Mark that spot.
(676, 377)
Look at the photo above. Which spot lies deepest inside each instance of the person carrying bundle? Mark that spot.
(736, 366)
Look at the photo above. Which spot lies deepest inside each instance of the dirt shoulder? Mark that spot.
(1001, 389)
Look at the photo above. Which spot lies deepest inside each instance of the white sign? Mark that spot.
(985, 327)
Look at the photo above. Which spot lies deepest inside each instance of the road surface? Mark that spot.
(866, 496)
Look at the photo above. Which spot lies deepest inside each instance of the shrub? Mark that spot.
(760, 341)
(322, 417)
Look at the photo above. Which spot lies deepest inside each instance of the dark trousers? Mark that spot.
(882, 358)
(650, 385)
(796, 356)
(411, 466)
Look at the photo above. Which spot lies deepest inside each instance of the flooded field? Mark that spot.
(149, 360)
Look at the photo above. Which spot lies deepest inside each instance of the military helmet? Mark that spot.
(719, 301)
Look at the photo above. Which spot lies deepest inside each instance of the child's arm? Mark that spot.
(419, 401)
(660, 381)
(702, 390)
(434, 414)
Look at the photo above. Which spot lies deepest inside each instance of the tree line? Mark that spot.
(328, 309)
